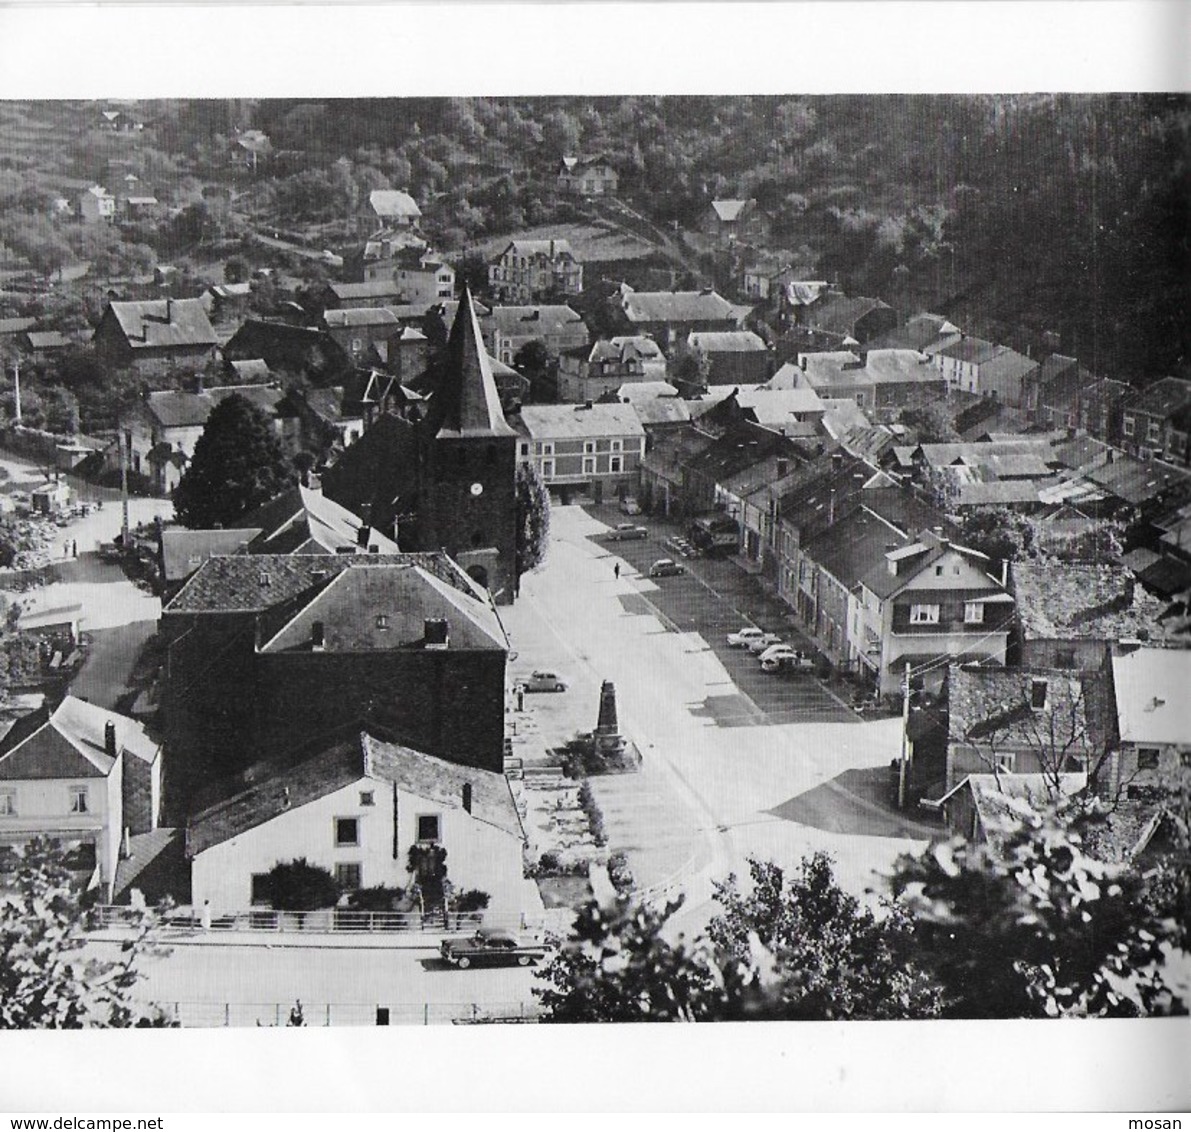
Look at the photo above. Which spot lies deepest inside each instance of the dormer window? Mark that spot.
(382, 621)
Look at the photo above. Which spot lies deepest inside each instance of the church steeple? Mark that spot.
(467, 403)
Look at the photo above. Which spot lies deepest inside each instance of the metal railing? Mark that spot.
(195, 1015)
(327, 920)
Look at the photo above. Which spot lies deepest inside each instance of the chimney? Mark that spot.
(169, 309)
(467, 797)
(318, 636)
(109, 739)
(837, 461)
(363, 534)
(436, 633)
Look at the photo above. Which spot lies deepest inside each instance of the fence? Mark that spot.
(194, 1015)
(332, 920)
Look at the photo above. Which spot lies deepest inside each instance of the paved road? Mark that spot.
(217, 983)
(714, 598)
(773, 790)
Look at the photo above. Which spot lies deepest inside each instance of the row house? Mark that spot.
(874, 379)
(156, 336)
(506, 329)
(733, 356)
(357, 808)
(85, 778)
(593, 447)
(587, 176)
(985, 369)
(589, 373)
(670, 316)
(529, 271)
(923, 333)
(929, 602)
(663, 469)
(1154, 422)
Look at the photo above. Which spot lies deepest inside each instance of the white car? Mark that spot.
(763, 642)
(784, 658)
(742, 637)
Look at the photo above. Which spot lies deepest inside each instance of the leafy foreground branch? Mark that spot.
(1038, 929)
(45, 980)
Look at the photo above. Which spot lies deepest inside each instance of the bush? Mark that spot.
(549, 863)
(378, 898)
(619, 872)
(595, 817)
(472, 900)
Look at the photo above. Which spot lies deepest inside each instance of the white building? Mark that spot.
(356, 810)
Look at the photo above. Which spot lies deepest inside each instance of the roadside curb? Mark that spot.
(276, 940)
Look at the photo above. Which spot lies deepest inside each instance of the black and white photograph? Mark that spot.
(528, 558)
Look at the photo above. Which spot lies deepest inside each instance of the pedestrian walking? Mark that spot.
(616, 571)
(74, 548)
(205, 916)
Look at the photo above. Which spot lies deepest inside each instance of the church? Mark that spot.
(442, 475)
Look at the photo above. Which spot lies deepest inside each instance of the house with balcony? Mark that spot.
(591, 448)
(587, 373)
(357, 807)
(532, 271)
(928, 603)
(84, 778)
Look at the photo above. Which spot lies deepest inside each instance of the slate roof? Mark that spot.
(880, 367)
(379, 609)
(810, 503)
(393, 203)
(251, 371)
(675, 306)
(162, 324)
(467, 402)
(69, 743)
(184, 551)
(636, 391)
(923, 333)
(854, 545)
(999, 493)
(47, 340)
(1007, 363)
(303, 521)
(622, 348)
(16, 325)
(1162, 398)
(726, 342)
(174, 408)
(976, 453)
(559, 422)
(520, 320)
(1058, 600)
(969, 349)
(838, 314)
(777, 407)
(376, 289)
(1003, 799)
(660, 410)
(534, 248)
(254, 583)
(281, 789)
(346, 317)
(1138, 481)
(1151, 696)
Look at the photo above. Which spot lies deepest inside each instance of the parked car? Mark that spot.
(666, 568)
(541, 681)
(492, 947)
(741, 637)
(765, 641)
(784, 658)
(630, 506)
(626, 531)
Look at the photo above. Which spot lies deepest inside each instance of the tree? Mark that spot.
(618, 968)
(533, 519)
(689, 368)
(998, 532)
(45, 980)
(932, 424)
(298, 886)
(832, 958)
(238, 464)
(1035, 928)
(235, 270)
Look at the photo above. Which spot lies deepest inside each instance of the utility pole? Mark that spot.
(125, 443)
(16, 381)
(903, 761)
